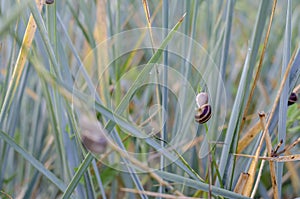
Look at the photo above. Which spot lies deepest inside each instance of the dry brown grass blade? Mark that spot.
(294, 174)
(252, 170)
(257, 74)
(248, 137)
(269, 149)
(240, 185)
(147, 12)
(148, 17)
(286, 158)
(100, 35)
(297, 89)
(286, 178)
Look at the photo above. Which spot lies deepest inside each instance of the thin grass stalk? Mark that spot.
(100, 34)
(164, 132)
(271, 163)
(258, 176)
(226, 41)
(148, 18)
(158, 89)
(116, 54)
(257, 74)
(282, 120)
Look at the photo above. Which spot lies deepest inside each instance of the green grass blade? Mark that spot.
(198, 185)
(234, 122)
(34, 162)
(43, 32)
(225, 48)
(282, 120)
(79, 173)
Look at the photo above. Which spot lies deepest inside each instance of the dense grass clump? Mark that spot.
(100, 99)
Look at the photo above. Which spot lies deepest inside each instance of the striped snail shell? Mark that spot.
(292, 99)
(203, 113)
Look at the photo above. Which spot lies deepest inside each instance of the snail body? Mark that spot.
(203, 113)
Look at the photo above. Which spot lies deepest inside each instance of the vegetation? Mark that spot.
(98, 99)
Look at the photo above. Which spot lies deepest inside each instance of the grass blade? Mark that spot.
(282, 120)
(235, 119)
(79, 173)
(35, 163)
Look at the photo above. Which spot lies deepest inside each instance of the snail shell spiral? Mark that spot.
(203, 114)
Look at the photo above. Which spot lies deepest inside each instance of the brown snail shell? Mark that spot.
(292, 99)
(93, 135)
(203, 114)
(49, 1)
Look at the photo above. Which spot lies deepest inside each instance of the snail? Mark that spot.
(292, 99)
(49, 1)
(92, 134)
(203, 113)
